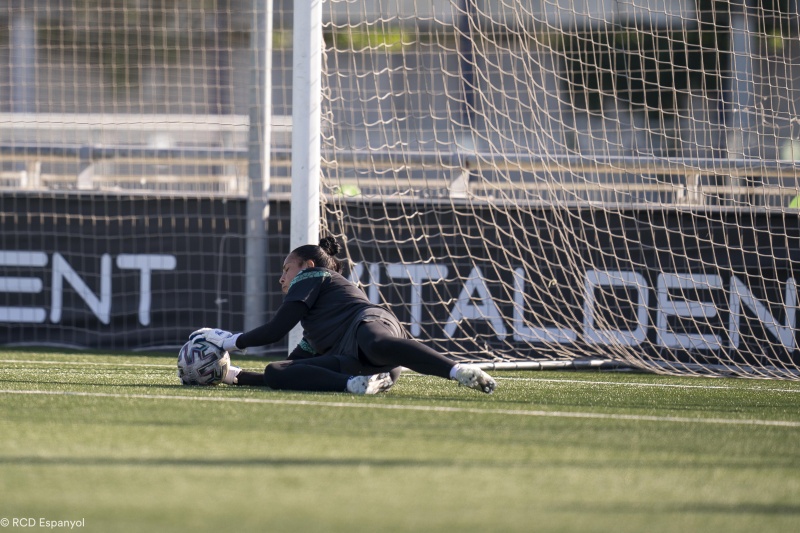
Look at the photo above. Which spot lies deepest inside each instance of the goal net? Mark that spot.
(534, 182)
(524, 182)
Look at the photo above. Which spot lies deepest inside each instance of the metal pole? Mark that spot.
(259, 164)
(23, 59)
(466, 16)
(741, 112)
(306, 117)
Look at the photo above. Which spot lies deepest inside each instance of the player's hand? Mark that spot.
(200, 333)
(224, 340)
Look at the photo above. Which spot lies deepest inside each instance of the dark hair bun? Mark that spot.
(329, 245)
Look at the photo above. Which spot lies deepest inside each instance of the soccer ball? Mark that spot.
(202, 363)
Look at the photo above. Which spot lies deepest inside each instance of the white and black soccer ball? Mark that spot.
(202, 363)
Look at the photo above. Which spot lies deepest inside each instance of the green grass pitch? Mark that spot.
(115, 442)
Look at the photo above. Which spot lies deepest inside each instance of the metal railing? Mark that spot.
(209, 170)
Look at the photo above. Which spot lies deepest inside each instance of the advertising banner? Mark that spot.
(140, 272)
(117, 271)
(676, 285)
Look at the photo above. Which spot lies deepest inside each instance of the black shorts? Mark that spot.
(346, 350)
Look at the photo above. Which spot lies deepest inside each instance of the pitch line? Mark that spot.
(628, 384)
(88, 363)
(662, 385)
(414, 374)
(421, 408)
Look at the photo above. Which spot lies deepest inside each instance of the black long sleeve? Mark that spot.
(286, 317)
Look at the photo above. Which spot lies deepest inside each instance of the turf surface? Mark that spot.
(113, 441)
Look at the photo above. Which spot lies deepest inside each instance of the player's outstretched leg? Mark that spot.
(370, 384)
(473, 377)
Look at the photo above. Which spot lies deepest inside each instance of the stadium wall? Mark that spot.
(138, 272)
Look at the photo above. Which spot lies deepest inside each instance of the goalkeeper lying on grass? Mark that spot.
(349, 343)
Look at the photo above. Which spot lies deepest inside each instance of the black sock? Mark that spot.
(251, 379)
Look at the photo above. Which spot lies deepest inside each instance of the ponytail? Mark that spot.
(323, 255)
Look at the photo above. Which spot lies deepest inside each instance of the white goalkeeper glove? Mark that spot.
(224, 340)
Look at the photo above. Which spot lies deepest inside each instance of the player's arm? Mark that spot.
(286, 317)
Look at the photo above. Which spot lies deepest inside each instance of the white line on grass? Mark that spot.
(414, 374)
(87, 363)
(629, 384)
(665, 385)
(424, 408)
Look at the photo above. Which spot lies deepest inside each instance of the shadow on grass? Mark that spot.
(378, 462)
(739, 508)
(702, 508)
(246, 462)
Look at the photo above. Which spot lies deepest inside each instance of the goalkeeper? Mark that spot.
(349, 344)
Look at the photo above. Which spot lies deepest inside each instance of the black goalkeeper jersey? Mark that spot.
(323, 302)
(332, 301)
